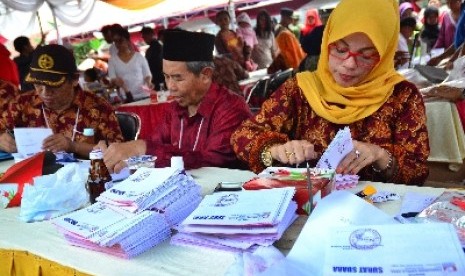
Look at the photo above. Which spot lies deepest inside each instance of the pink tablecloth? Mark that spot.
(150, 115)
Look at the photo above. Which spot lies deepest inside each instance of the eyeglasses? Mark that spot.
(365, 58)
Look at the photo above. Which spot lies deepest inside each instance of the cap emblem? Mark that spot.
(45, 61)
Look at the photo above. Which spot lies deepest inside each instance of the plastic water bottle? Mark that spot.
(89, 136)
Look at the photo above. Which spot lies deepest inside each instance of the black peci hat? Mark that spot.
(182, 45)
(51, 65)
(286, 12)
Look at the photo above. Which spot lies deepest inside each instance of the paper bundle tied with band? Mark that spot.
(278, 177)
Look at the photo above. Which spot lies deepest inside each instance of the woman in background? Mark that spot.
(265, 51)
(128, 69)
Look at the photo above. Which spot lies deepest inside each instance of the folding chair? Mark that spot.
(130, 124)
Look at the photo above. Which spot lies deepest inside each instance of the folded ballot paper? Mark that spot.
(238, 221)
(134, 215)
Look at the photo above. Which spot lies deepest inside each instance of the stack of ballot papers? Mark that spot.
(238, 221)
(134, 215)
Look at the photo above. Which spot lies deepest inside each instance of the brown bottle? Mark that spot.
(98, 175)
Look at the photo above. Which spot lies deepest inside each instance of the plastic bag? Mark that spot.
(54, 195)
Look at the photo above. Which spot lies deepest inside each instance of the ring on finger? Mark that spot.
(357, 154)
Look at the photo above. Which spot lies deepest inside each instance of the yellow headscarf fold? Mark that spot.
(379, 20)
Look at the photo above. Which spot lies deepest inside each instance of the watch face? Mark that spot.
(267, 160)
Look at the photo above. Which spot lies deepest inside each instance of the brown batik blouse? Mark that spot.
(94, 112)
(399, 126)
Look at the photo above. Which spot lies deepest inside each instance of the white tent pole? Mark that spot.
(232, 14)
(59, 40)
(40, 23)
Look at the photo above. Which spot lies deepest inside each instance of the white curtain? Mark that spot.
(69, 12)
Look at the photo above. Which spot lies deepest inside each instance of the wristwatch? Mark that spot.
(266, 157)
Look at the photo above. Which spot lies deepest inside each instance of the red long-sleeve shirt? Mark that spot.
(204, 139)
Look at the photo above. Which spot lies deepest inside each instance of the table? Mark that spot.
(150, 114)
(40, 245)
(445, 131)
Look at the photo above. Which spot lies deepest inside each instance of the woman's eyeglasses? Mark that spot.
(365, 58)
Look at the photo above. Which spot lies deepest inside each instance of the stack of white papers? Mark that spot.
(122, 234)
(133, 215)
(167, 190)
(238, 221)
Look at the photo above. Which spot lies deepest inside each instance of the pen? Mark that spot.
(310, 188)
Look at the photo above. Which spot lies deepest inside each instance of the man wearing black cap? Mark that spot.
(286, 19)
(202, 116)
(58, 103)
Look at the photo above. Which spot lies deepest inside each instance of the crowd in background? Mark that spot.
(262, 43)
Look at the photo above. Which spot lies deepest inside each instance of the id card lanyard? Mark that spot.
(75, 122)
(181, 133)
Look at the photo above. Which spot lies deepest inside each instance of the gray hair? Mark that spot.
(196, 66)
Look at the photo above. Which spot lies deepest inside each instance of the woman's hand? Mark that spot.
(293, 152)
(450, 93)
(362, 155)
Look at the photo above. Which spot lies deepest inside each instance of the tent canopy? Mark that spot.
(74, 17)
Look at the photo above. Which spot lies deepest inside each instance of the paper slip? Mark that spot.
(339, 208)
(88, 221)
(143, 181)
(260, 207)
(339, 147)
(403, 249)
(29, 140)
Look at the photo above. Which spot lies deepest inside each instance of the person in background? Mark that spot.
(59, 103)
(108, 37)
(265, 51)
(447, 32)
(8, 69)
(290, 53)
(312, 20)
(355, 85)
(25, 49)
(405, 44)
(129, 70)
(286, 19)
(310, 40)
(228, 73)
(200, 120)
(249, 64)
(430, 32)
(245, 31)
(92, 81)
(406, 10)
(154, 56)
(295, 27)
(227, 42)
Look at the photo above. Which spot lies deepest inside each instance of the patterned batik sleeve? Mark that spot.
(411, 143)
(272, 125)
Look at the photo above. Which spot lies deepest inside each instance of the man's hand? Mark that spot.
(7, 143)
(57, 142)
(116, 154)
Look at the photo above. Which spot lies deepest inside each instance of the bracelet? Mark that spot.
(388, 166)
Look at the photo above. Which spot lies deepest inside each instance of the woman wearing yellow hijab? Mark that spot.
(355, 85)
